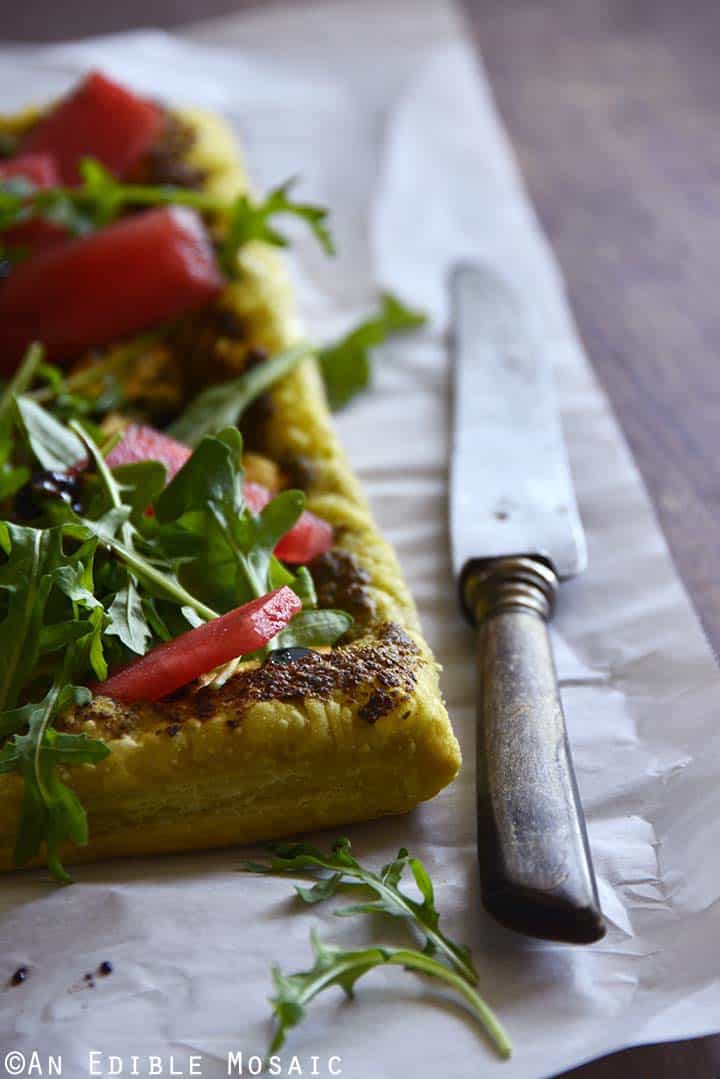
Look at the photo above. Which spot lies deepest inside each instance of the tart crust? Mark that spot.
(353, 733)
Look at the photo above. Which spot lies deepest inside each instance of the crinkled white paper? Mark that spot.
(383, 110)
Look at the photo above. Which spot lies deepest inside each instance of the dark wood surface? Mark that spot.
(612, 106)
(612, 110)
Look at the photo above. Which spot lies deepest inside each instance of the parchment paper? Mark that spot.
(382, 109)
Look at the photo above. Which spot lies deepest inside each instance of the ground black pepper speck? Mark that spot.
(19, 976)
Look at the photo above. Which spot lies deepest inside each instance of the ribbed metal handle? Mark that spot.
(535, 866)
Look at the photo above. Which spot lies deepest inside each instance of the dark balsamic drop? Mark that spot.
(288, 655)
(44, 484)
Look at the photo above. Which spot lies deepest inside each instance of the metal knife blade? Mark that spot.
(515, 531)
(511, 491)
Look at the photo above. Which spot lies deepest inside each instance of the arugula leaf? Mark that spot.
(314, 628)
(14, 193)
(46, 593)
(55, 446)
(389, 898)
(26, 581)
(12, 478)
(140, 485)
(333, 966)
(51, 812)
(222, 405)
(248, 221)
(302, 584)
(208, 476)
(235, 547)
(128, 620)
(19, 383)
(268, 528)
(158, 580)
(346, 366)
(101, 192)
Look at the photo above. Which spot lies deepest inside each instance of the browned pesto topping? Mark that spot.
(378, 676)
(166, 160)
(358, 671)
(208, 346)
(298, 470)
(341, 582)
(254, 423)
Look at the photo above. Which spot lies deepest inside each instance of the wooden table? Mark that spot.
(612, 107)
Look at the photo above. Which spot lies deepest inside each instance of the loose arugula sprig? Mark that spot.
(333, 966)
(344, 870)
(100, 199)
(346, 366)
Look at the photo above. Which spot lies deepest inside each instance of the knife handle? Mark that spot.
(536, 872)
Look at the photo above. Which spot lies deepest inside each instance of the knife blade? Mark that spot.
(516, 532)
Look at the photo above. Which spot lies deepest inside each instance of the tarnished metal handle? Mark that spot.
(535, 867)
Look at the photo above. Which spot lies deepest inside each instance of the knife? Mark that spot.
(516, 532)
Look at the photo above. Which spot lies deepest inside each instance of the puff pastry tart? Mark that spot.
(284, 739)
